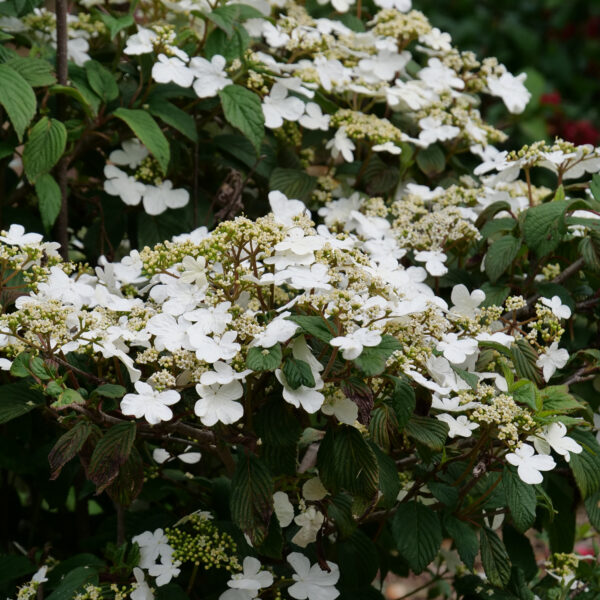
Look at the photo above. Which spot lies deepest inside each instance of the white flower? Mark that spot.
(560, 310)
(465, 303)
(530, 464)
(194, 271)
(213, 319)
(554, 358)
(210, 75)
(310, 521)
(497, 337)
(452, 404)
(312, 583)
(433, 131)
(352, 344)
(384, 65)
(459, 426)
(217, 403)
(16, 236)
(284, 509)
(252, 578)
(314, 117)
(278, 107)
(278, 330)
(5, 364)
(284, 209)
(77, 51)
(274, 35)
(315, 277)
(172, 70)
(40, 575)
(164, 571)
(212, 349)
(342, 145)
(511, 89)
(439, 77)
(434, 261)
(141, 42)
(388, 147)
(118, 183)
(158, 198)
(401, 5)
(149, 403)
(132, 154)
(152, 545)
(142, 590)
(342, 408)
(222, 374)
(169, 333)
(457, 350)
(554, 436)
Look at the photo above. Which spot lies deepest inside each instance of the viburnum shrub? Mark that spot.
(377, 356)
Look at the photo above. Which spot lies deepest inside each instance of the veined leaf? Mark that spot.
(44, 147)
(17, 98)
(242, 109)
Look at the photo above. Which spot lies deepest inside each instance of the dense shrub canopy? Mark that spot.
(333, 330)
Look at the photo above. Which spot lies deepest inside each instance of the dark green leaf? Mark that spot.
(293, 183)
(520, 551)
(298, 372)
(116, 24)
(101, 80)
(243, 109)
(521, 499)
(264, 359)
(418, 534)
(110, 390)
(315, 326)
(494, 557)
(501, 255)
(427, 431)
(544, 226)
(44, 147)
(110, 453)
(49, 199)
(464, 538)
(35, 71)
(586, 466)
(17, 399)
(372, 359)
(175, 117)
(524, 359)
(17, 98)
(74, 582)
(346, 462)
(431, 160)
(149, 133)
(251, 502)
(67, 447)
(389, 482)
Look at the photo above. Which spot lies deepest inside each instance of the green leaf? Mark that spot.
(49, 199)
(470, 378)
(110, 453)
(35, 71)
(431, 160)
(315, 326)
(174, 117)
(149, 133)
(501, 255)
(525, 392)
(67, 398)
(298, 372)
(418, 534)
(389, 482)
(74, 582)
(76, 94)
(544, 226)
(556, 399)
(14, 566)
(116, 24)
(44, 147)
(17, 399)
(17, 98)
(101, 80)
(520, 551)
(490, 211)
(293, 183)
(67, 447)
(427, 431)
(403, 400)
(359, 562)
(110, 390)
(586, 465)
(264, 359)
(589, 248)
(520, 498)
(230, 47)
(372, 359)
(592, 507)
(524, 359)
(243, 110)
(494, 294)
(464, 538)
(494, 557)
(251, 501)
(20, 365)
(346, 462)
(127, 485)
(595, 187)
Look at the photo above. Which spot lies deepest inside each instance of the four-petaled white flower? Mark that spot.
(131, 154)
(217, 403)
(142, 590)
(352, 344)
(157, 198)
(16, 236)
(529, 464)
(342, 145)
(194, 271)
(554, 436)
(312, 583)
(560, 310)
(278, 107)
(458, 426)
(314, 117)
(210, 75)
(152, 545)
(457, 350)
(172, 70)
(252, 578)
(434, 261)
(164, 571)
(553, 358)
(512, 90)
(149, 403)
(465, 303)
(310, 522)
